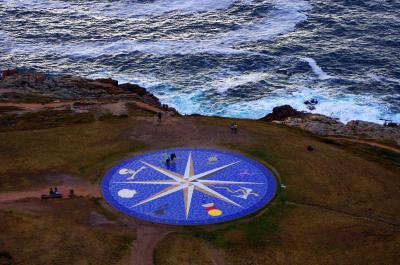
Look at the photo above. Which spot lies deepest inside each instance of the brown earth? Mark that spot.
(340, 206)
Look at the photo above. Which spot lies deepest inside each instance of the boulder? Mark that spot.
(281, 113)
(326, 126)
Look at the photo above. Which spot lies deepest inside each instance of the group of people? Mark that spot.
(54, 191)
(165, 107)
(234, 127)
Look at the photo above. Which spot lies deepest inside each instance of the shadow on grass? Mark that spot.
(258, 232)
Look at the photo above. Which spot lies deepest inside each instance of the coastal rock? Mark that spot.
(34, 92)
(283, 112)
(327, 126)
(133, 88)
(107, 81)
(73, 87)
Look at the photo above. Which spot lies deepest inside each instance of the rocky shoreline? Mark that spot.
(327, 126)
(33, 92)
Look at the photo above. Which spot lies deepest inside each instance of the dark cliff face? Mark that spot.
(17, 86)
(36, 100)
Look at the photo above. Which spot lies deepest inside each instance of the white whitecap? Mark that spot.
(345, 107)
(224, 84)
(126, 193)
(282, 18)
(316, 68)
(381, 78)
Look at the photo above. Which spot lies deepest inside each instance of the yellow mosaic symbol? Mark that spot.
(212, 210)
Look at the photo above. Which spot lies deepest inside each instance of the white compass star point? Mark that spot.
(188, 183)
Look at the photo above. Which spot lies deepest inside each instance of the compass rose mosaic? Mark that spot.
(189, 186)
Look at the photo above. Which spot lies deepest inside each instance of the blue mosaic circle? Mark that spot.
(189, 186)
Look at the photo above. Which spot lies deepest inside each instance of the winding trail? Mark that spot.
(148, 234)
(37, 106)
(80, 187)
(147, 237)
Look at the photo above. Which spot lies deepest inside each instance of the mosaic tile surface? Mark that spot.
(200, 186)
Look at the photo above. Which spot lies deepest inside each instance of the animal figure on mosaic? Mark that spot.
(212, 159)
(246, 192)
(131, 172)
(161, 210)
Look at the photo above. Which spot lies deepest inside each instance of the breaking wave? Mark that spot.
(236, 58)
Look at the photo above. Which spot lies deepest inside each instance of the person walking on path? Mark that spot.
(231, 126)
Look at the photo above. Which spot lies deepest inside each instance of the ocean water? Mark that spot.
(236, 58)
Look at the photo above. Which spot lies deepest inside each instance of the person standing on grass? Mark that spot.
(231, 126)
(235, 128)
(159, 116)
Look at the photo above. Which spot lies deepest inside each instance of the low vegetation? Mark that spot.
(340, 206)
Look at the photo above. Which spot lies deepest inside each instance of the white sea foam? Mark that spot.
(316, 68)
(5, 42)
(162, 47)
(375, 77)
(344, 107)
(282, 18)
(224, 84)
(123, 9)
(381, 78)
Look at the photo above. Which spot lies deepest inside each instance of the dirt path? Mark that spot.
(148, 235)
(80, 187)
(35, 106)
(371, 143)
(145, 106)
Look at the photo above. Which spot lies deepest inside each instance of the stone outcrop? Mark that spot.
(86, 94)
(73, 88)
(283, 112)
(327, 126)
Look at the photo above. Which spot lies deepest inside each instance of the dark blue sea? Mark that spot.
(236, 58)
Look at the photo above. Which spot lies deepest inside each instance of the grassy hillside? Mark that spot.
(341, 205)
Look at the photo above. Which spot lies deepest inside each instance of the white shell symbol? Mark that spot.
(125, 193)
(124, 171)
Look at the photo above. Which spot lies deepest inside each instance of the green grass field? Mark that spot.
(341, 205)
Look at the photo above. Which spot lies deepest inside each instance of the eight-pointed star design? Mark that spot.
(188, 182)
